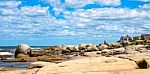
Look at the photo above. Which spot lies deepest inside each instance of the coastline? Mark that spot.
(92, 64)
(84, 58)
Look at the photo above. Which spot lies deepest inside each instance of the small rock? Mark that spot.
(98, 52)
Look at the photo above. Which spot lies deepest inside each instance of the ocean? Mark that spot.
(10, 50)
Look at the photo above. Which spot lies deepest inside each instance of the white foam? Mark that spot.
(5, 53)
(36, 48)
(1, 49)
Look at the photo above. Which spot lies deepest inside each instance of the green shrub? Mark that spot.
(142, 64)
(125, 44)
(133, 43)
(116, 46)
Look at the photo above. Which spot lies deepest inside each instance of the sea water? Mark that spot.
(4, 50)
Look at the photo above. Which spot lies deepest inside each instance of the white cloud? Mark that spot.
(66, 27)
(146, 26)
(81, 3)
(9, 4)
(26, 10)
(66, 33)
(110, 13)
(108, 27)
(145, 6)
(36, 21)
(61, 7)
(109, 19)
(53, 2)
(35, 10)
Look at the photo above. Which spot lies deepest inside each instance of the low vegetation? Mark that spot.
(142, 64)
(50, 58)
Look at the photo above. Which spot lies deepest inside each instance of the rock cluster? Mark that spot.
(57, 50)
(23, 50)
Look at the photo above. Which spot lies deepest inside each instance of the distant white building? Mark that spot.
(125, 38)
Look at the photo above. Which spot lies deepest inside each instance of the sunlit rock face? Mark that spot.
(22, 50)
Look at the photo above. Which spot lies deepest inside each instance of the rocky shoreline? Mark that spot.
(66, 59)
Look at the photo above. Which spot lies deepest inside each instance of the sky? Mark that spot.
(60, 22)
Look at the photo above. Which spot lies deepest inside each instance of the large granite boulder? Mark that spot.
(23, 50)
(137, 47)
(147, 47)
(119, 50)
(116, 45)
(65, 49)
(103, 46)
(106, 52)
(71, 48)
(92, 48)
(88, 47)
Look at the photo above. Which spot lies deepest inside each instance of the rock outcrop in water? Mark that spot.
(22, 50)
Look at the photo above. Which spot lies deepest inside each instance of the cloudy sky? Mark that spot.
(57, 22)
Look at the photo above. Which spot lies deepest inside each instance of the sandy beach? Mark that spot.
(93, 64)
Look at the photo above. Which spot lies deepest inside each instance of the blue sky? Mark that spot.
(59, 22)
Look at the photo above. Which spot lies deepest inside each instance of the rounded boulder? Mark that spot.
(24, 50)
